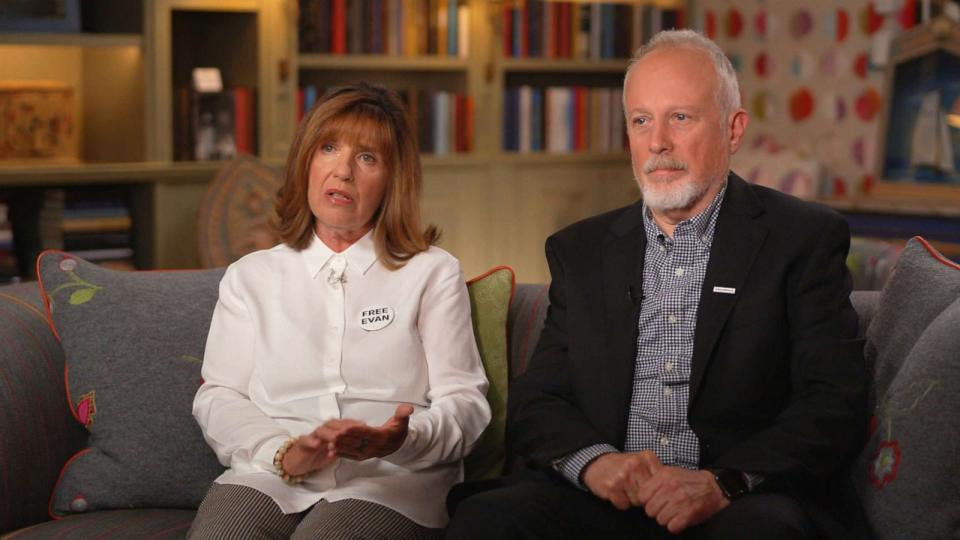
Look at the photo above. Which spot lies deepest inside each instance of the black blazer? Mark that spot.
(777, 383)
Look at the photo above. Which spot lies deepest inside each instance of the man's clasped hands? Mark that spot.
(677, 498)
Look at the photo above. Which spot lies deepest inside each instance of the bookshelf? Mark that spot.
(122, 69)
(426, 50)
(495, 206)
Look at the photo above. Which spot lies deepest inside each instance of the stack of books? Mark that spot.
(394, 27)
(97, 227)
(50, 220)
(9, 272)
(444, 120)
(563, 119)
(580, 30)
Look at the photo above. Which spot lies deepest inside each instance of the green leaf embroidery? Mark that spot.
(82, 296)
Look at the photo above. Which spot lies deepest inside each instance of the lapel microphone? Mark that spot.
(633, 296)
(335, 278)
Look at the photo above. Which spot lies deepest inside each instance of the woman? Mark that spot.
(342, 384)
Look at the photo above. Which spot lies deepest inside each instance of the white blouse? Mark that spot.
(292, 345)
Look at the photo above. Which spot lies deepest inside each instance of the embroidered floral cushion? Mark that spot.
(907, 475)
(490, 296)
(133, 343)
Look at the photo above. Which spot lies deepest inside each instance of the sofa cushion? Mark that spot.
(152, 523)
(909, 467)
(490, 296)
(133, 343)
(922, 284)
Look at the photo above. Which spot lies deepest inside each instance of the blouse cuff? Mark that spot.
(263, 457)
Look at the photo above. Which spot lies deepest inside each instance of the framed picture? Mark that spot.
(37, 121)
(920, 131)
(40, 16)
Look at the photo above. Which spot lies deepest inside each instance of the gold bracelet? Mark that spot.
(278, 463)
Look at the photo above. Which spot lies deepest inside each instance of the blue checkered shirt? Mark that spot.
(673, 273)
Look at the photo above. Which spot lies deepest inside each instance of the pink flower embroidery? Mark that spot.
(885, 464)
(87, 408)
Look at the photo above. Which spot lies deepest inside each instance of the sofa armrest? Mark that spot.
(37, 431)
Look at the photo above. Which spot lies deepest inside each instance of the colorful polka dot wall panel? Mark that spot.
(811, 77)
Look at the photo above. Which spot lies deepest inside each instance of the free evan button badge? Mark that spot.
(376, 317)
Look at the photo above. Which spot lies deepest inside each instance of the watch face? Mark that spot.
(731, 483)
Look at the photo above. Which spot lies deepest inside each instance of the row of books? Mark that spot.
(563, 119)
(394, 27)
(9, 271)
(547, 29)
(95, 225)
(214, 125)
(444, 120)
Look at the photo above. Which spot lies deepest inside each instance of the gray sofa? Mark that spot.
(908, 475)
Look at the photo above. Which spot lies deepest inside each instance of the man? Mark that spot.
(698, 371)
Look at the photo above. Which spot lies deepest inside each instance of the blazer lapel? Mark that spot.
(622, 273)
(736, 241)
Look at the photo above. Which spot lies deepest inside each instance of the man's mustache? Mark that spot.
(663, 162)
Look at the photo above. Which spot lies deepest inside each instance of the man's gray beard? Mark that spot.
(678, 197)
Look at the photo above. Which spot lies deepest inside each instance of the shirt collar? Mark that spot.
(360, 256)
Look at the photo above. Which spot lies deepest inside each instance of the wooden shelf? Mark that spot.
(563, 65)
(380, 62)
(25, 174)
(78, 39)
(899, 206)
(514, 158)
(567, 157)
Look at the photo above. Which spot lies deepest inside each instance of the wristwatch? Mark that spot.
(731, 482)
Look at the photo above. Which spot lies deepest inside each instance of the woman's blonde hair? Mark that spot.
(366, 115)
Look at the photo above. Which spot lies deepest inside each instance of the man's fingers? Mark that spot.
(620, 500)
(677, 524)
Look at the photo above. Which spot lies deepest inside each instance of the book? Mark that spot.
(355, 27)
(104, 224)
(536, 119)
(442, 15)
(508, 29)
(558, 108)
(245, 120)
(462, 30)
(97, 240)
(103, 254)
(535, 25)
(511, 119)
(338, 26)
(394, 18)
(441, 123)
